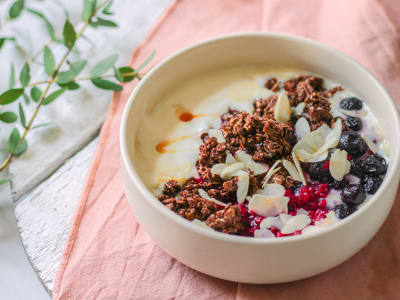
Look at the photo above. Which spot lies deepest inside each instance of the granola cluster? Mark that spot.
(259, 135)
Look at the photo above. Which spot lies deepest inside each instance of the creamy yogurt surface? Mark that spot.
(168, 140)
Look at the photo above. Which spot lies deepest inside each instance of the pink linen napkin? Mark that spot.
(108, 255)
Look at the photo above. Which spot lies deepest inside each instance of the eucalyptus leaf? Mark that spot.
(16, 9)
(75, 69)
(11, 80)
(4, 39)
(22, 115)
(4, 181)
(49, 26)
(106, 84)
(36, 93)
(106, 9)
(49, 61)
(69, 35)
(25, 75)
(89, 7)
(21, 148)
(125, 74)
(103, 66)
(26, 98)
(146, 61)
(53, 96)
(8, 117)
(41, 125)
(72, 85)
(13, 140)
(103, 22)
(10, 96)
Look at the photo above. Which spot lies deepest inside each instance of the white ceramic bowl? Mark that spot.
(246, 259)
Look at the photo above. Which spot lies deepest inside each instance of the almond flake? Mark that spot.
(231, 170)
(272, 189)
(243, 186)
(269, 222)
(373, 147)
(203, 194)
(217, 134)
(354, 113)
(229, 160)
(263, 233)
(271, 172)
(282, 110)
(302, 128)
(339, 165)
(291, 169)
(298, 166)
(285, 217)
(319, 141)
(298, 222)
(299, 108)
(245, 158)
(218, 169)
(328, 221)
(268, 206)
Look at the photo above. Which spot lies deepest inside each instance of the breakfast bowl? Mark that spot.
(242, 258)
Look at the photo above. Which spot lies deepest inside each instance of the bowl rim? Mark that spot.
(127, 162)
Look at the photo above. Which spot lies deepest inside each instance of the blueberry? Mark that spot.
(375, 164)
(319, 171)
(351, 103)
(353, 194)
(372, 183)
(353, 123)
(357, 168)
(353, 143)
(343, 210)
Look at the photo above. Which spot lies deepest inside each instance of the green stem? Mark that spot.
(49, 83)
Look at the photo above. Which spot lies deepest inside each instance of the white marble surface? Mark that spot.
(44, 210)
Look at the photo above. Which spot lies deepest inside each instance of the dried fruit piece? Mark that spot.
(339, 165)
(282, 110)
(268, 206)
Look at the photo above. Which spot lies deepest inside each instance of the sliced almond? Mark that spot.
(203, 194)
(298, 166)
(269, 222)
(373, 147)
(298, 222)
(231, 170)
(268, 206)
(263, 233)
(282, 110)
(289, 166)
(285, 217)
(299, 109)
(272, 189)
(245, 158)
(229, 158)
(218, 169)
(339, 165)
(271, 172)
(328, 221)
(217, 134)
(301, 128)
(243, 186)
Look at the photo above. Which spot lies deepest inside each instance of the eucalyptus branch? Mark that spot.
(66, 80)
